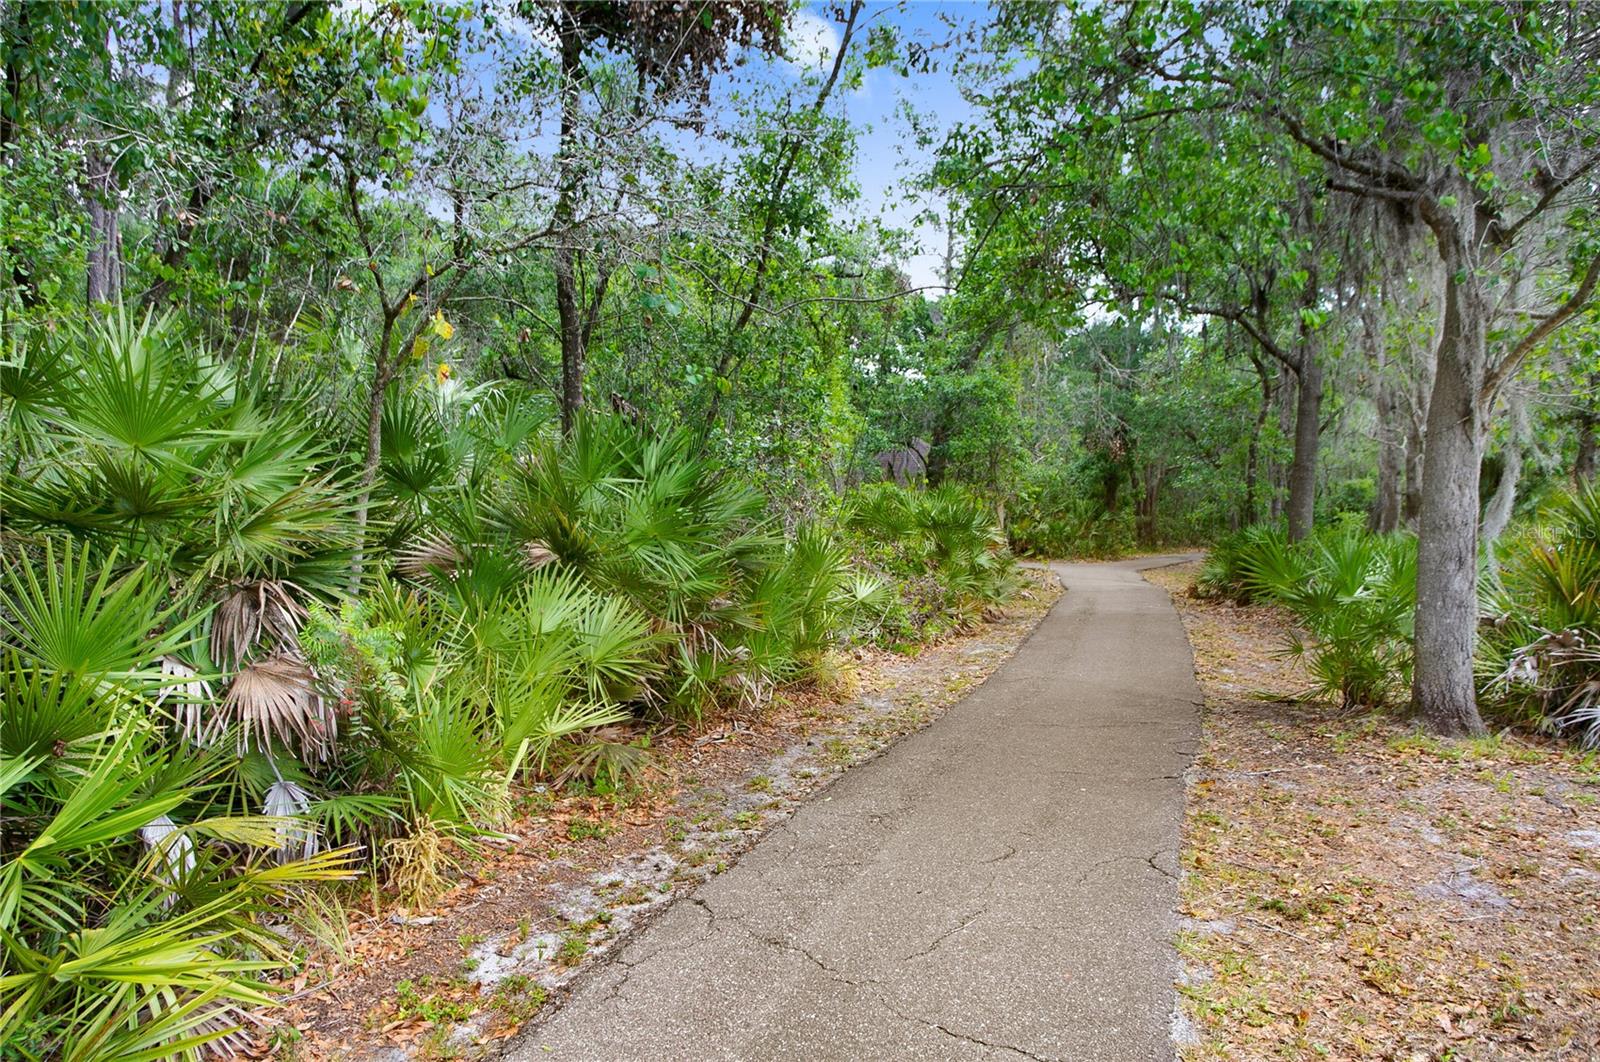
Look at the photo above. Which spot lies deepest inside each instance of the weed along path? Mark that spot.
(1001, 884)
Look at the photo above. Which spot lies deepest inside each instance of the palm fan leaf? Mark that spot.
(250, 613)
(277, 699)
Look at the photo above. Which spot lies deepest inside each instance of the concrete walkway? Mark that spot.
(999, 885)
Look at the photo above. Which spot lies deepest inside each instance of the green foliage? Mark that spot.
(128, 892)
(1354, 595)
(1222, 573)
(1051, 516)
(158, 450)
(1539, 658)
(944, 544)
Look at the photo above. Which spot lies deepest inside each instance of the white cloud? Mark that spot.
(811, 42)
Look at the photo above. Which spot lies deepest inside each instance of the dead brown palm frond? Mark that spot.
(277, 698)
(189, 694)
(431, 552)
(536, 555)
(251, 613)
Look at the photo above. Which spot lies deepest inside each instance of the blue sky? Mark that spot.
(887, 153)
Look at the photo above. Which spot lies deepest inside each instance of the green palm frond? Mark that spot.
(75, 617)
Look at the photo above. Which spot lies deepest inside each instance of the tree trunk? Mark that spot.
(1588, 419)
(1411, 500)
(103, 267)
(1146, 507)
(571, 319)
(1278, 472)
(1252, 460)
(1385, 516)
(1421, 378)
(1497, 514)
(572, 351)
(1583, 465)
(1307, 435)
(1388, 502)
(1443, 691)
(1110, 485)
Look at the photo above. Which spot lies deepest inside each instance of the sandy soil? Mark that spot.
(1357, 889)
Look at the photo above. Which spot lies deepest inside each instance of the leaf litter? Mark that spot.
(1355, 888)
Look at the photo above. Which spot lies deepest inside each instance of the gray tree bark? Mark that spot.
(1497, 514)
(568, 312)
(1307, 438)
(1385, 515)
(1443, 690)
(103, 270)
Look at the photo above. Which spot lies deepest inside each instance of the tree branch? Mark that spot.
(1508, 366)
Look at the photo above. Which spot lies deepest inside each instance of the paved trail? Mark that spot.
(999, 885)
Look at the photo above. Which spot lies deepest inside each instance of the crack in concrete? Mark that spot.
(1011, 850)
(946, 935)
(622, 982)
(837, 975)
(954, 1033)
(621, 957)
(1163, 871)
(877, 988)
(1149, 861)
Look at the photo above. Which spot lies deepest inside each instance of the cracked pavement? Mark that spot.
(1002, 884)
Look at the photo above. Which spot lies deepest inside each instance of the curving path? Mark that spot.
(999, 885)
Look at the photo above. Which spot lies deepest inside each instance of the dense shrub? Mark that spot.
(208, 701)
(1539, 653)
(1053, 516)
(943, 547)
(1354, 595)
(1222, 573)
(131, 882)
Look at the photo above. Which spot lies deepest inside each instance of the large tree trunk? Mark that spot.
(1443, 691)
(1420, 392)
(1307, 437)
